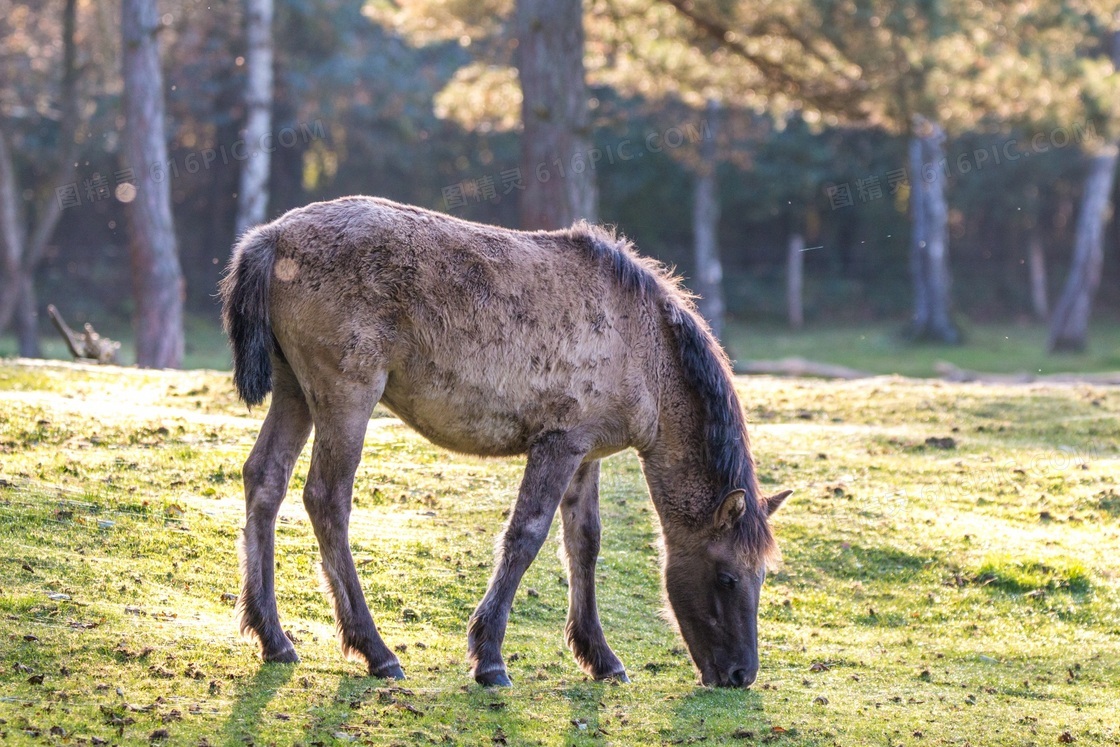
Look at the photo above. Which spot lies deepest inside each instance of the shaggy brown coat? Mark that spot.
(565, 345)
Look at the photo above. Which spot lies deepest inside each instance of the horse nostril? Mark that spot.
(742, 678)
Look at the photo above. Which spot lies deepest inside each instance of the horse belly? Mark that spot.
(490, 410)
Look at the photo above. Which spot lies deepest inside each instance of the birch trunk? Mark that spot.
(558, 179)
(252, 204)
(1069, 326)
(12, 234)
(23, 248)
(929, 247)
(1040, 302)
(27, 319)
(156, 276)
(795, 281)
(708, 283)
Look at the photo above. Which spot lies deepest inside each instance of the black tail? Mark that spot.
(244, 294)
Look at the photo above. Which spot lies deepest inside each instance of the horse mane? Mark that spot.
(706, 369)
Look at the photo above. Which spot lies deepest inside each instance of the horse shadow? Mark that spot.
(349, 697)
(586, 712)
(244, 725)
(252, 698)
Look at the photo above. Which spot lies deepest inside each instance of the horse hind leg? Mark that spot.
(266, 474)
(579, 512)
(341, 417)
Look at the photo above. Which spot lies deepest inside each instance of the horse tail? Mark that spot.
(244, 295)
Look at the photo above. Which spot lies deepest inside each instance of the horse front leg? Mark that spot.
(553, 459)
(579, 512)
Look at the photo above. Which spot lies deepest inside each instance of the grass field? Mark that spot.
(881, 349)
(950, 577)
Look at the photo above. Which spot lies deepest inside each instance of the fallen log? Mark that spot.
(87, 346)
(800, 367)
(950, 372)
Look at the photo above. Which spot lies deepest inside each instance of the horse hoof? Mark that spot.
(391, 672)
(287, 656)
(619, 677)
(497, 678)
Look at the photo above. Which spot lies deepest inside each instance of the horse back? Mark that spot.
(488, 336)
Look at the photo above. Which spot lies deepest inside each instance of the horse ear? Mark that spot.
(732, 508)
(774, 502)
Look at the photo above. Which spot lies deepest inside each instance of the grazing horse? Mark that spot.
(565, 346)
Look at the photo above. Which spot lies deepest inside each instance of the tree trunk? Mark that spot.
(21, 255)
(27, 320)
(156, 277)
(929, 248)
(556, 172)
(1069, 327)
(795, 280)
(1040, 303)
(708, 284)
(11, 234)
(252, 204)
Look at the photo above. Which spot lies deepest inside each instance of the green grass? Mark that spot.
(949, 577)
(880, 348)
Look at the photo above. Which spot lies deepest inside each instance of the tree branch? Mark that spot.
(836, 98)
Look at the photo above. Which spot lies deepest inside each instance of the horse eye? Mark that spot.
(726, 580)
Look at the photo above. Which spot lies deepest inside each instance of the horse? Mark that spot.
(565, 346)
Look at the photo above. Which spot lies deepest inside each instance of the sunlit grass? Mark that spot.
(949, 570)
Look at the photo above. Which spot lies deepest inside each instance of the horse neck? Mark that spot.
(674, 464)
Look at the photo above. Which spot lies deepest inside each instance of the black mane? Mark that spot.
(705, 367)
